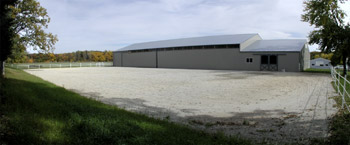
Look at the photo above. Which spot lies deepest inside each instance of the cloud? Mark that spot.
(112, 24)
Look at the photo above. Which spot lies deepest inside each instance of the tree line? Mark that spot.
(78, 56)
(315, 54)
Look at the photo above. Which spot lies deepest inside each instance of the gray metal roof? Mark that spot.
(278, 45)
(320, 59)
(194, 41)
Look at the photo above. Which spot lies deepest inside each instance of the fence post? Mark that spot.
(344, 89)
(338, 79)
(332, 73)
(343, 95)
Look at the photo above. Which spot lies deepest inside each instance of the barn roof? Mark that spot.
(280, 45)
(194, 41)
(320, 59)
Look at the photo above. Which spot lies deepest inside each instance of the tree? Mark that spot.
(108, 55)
(330, 32)
(29, 20)
(6, 33)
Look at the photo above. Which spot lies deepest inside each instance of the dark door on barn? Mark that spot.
(269, 63)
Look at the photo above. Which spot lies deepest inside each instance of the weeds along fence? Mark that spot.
(59, 65)
(342, 86)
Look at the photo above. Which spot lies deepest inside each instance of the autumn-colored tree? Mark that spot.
(79, 56)
(30, 60)
(108, 55)
(51, 57)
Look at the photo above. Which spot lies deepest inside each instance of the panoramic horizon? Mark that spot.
(111, 25)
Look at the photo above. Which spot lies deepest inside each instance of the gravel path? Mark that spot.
(273, 106)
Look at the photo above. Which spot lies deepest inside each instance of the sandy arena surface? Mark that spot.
(266, 106)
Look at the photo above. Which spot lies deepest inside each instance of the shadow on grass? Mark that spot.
(41, 113)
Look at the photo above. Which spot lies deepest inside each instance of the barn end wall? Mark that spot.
(306, 57)
(289, 62)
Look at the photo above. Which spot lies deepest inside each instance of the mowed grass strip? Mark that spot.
(340, 123)
(35, 111)
(316, 70)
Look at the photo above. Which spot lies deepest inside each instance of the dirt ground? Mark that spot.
(266, 106)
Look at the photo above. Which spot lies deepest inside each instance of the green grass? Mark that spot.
(35, 111)
(340, 123)
(315, 70)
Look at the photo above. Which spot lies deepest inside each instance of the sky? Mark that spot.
(113, 24)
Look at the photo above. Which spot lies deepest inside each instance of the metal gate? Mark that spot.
(269, 63)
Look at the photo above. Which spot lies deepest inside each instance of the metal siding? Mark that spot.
(225, 59)
(289, 62)
(139, 59)
(117, 58)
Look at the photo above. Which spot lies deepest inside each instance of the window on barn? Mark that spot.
(187, 48)
(233, 46)
(249, 60)
(208, 46)
(326, 64)
(197, 47)
(169, 49)
(178, 48)
(313, 64)
(220, 46)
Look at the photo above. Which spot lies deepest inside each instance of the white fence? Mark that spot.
(341, 84)
(59, 65)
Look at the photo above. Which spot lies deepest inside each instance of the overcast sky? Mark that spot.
(113, 24)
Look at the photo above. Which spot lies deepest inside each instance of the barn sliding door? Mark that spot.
(269, 63)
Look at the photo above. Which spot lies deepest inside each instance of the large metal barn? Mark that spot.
(224, 52)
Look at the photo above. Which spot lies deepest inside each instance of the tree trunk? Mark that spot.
(344, 65)
(2, 68)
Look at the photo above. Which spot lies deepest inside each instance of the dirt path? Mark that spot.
(273, 106)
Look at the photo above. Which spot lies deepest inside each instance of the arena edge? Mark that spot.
(224, 52)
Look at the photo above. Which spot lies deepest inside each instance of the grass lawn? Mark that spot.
(35, 111)
(340, 123)
(315, 70)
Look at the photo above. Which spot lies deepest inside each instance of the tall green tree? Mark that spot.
(29, 21)
(331, 33)
(6, 33)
